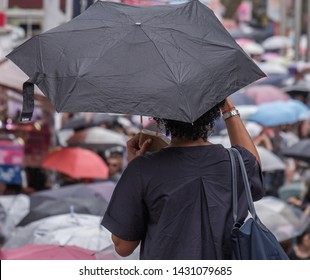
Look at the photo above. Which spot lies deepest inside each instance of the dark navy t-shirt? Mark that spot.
(178, 202)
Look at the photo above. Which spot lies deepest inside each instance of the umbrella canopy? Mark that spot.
(278, 80)
(103, 119)
(169, 61)
(246, 111)
(88, 192)
(271, 68)
(15, 207)
(81, 121)
(254, 129)
(284, 220)
(275, 114)
(240, 98)
(301, 108)
(82, 230)
(298, 87)
(295, 189)
(250, 47)
(77, 122)
(270, 161)
(103, 189)
(248, 32)
(48, 252)
(299, 151)
(266, 93)
(277, 43)
(299, 90)
(77, 163)
(94, 206)
(97, 138)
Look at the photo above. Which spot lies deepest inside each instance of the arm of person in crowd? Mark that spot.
(237, 132)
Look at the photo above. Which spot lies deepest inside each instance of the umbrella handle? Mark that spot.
(28, 96)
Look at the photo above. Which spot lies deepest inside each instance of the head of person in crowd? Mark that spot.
(115, 164)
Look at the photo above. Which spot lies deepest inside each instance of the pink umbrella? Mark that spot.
(266, 93)
(48, 252)
(76, 162)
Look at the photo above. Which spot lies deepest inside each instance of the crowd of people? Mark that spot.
(175, 203)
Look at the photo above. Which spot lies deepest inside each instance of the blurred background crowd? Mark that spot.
(49, 166)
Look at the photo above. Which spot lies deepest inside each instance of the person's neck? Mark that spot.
(180, 142)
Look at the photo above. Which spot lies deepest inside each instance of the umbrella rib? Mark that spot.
(160, 55)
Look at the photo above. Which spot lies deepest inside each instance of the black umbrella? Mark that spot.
(104, 119)
(62, 194)
(77, 122)
(299, 151)
(94, 206)
(299, 91)
(80, 122)
(169, 61)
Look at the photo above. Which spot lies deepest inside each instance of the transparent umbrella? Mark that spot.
(82, 230)
(284, 220)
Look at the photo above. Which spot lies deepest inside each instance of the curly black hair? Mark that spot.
(199, 129)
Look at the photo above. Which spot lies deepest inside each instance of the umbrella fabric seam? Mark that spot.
(177, 81)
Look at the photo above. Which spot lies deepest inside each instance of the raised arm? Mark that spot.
(237, 132)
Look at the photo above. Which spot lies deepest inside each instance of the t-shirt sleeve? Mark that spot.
(254, 173)
(126, 214)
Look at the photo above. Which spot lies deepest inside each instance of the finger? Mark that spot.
(146, 144)
(134, 142)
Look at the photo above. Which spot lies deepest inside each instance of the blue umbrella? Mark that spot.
(301, 108)
(274, 114)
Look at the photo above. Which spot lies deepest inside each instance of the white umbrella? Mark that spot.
(98, 138)
(16, 207)
(277, 43)
(246, 110)
(253, 48)
(224, 140)
(272, 68)
(80, 230)
(284, 220)
(253, 128)
(270, 161)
